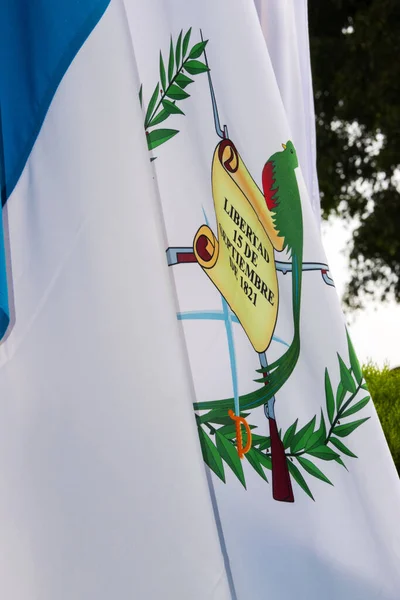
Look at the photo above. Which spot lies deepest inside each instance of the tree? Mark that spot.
(355, 49)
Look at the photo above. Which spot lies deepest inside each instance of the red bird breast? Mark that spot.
(268, 183)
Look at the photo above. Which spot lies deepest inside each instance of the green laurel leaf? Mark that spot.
(162, 115)
(319, 436)
(340, 462)
(266, 444)
(185, 44)
(298, 477)
(171, 108)
(340, 446)
(152, 104)
(178, 50)
(257, 439)
(216, 415)
(313, 469)
(340, 394)
(345, 430)
(198, 49)
(176, 93)
(330, 401)
(253, 459)
(356, 407)
(323, 452)
(225, 430)
(355, 365)
(163, 77)
(182, 80)
(229, 454)
(288, 437)
(171, 62)
(302, 436)
(365, 387)
(141, 95)
(211, 455)
(159, 136)
(194, 67)
(264, 459)
(346, 378)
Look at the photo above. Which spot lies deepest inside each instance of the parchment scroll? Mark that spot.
(240, 262)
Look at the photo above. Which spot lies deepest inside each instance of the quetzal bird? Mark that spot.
(282, 197)
(283, 200)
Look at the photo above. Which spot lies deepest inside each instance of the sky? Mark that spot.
(376, 330)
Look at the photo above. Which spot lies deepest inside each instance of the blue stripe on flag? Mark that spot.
(38, 41)
(4, 306)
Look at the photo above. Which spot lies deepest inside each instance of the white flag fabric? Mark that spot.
(285, 28)
(103, 490)
(183, 414)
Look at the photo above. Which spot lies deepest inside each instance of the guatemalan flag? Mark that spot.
(182, 413)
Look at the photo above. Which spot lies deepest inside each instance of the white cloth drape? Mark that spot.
(104, 492)
(285, 27)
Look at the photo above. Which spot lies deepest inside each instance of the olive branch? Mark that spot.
(302, 446)
(171, 88)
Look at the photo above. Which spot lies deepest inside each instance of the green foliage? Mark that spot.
(313, 442)
(356, 76)
(290, 433)
(159, 136)
(211, 455)
(305, 445)
(313, 469)
(384, 385)
(226, 446)
(301, 438)
(330, 402)
(230, 456)
(298, 477)
(254, 459)
(171, 87)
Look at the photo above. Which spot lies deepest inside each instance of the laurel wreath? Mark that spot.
(171, 88)
(303, 446)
